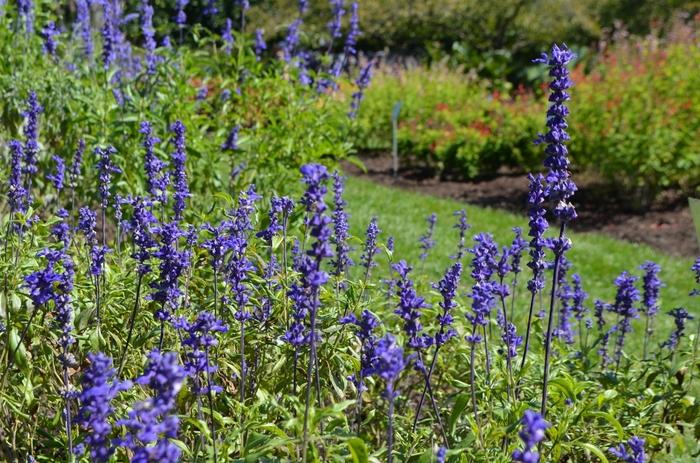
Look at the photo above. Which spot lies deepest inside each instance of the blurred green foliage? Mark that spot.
(635, 118)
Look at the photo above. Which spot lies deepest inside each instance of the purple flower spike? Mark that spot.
(57, 178)
(560, 188)
(227, 36)
(362, 83)
(409, 307)
(152, 423)
(426, 241)
(178, 160)
(84, 26)
(680, 317)
(17, 194)
(534, 426)
(260, 45)
(48, 34)
(99, 387)
(370, 248)
(627, 296)
(340, 229)
(156, 180)
(448, 289)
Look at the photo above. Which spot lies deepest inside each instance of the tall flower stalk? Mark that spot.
(650, 299)
(447, 287)
(389, 362)
(560, 188)
(312, 277)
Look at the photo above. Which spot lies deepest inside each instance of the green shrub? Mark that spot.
(635, 119)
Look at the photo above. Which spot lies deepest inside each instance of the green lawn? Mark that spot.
(598, 258)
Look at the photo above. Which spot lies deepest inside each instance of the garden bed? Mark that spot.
(666, 224)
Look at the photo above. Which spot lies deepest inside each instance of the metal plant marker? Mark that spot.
(394, 137)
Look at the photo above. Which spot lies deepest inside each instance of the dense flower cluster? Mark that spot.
(151, 423)
(99, 386)
(370, 248)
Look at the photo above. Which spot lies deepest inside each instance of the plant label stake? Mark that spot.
(394, 137)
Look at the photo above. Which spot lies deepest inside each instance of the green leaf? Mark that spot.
(611, 420)
(358, 450)
(459, 406)
(595, 451)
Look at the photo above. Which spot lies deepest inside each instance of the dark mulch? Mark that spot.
(665, 225)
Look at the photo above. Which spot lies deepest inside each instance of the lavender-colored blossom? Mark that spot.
(239, 265)
(25, 8)
(76, 165)
(180, 16)
(600, 308)
(202, 93)
(291, 41)
(389, 362)
(111, 39)
(227, 36)
(426, 240)
(303, 7)
(84, 26)
(149, 41)
(633, 452)
(409, 309)
(340, 229)
(696, 269)
(231, 143)
(57, 177)
(560, 188)
(87, 222)
(603, 349)
(141, 224)
(173, 262)
(151, 424)
(260, 45)
(538, 226)
(680, 317)
(156, 179)
(651, 287)
(350, 49)
(362, 82)
(364, 330)
(105, 167)
(516, 250)
(211, 8)
(579, 297)
(178, 159)
(447, 287)
(336, 23)
(483, 290)
(627, 296)
(17, 194)
(31, 141)
(200, 337)
(370, 247)
(48, 35)
(462, 226)
(534, 426)
(99, 386)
